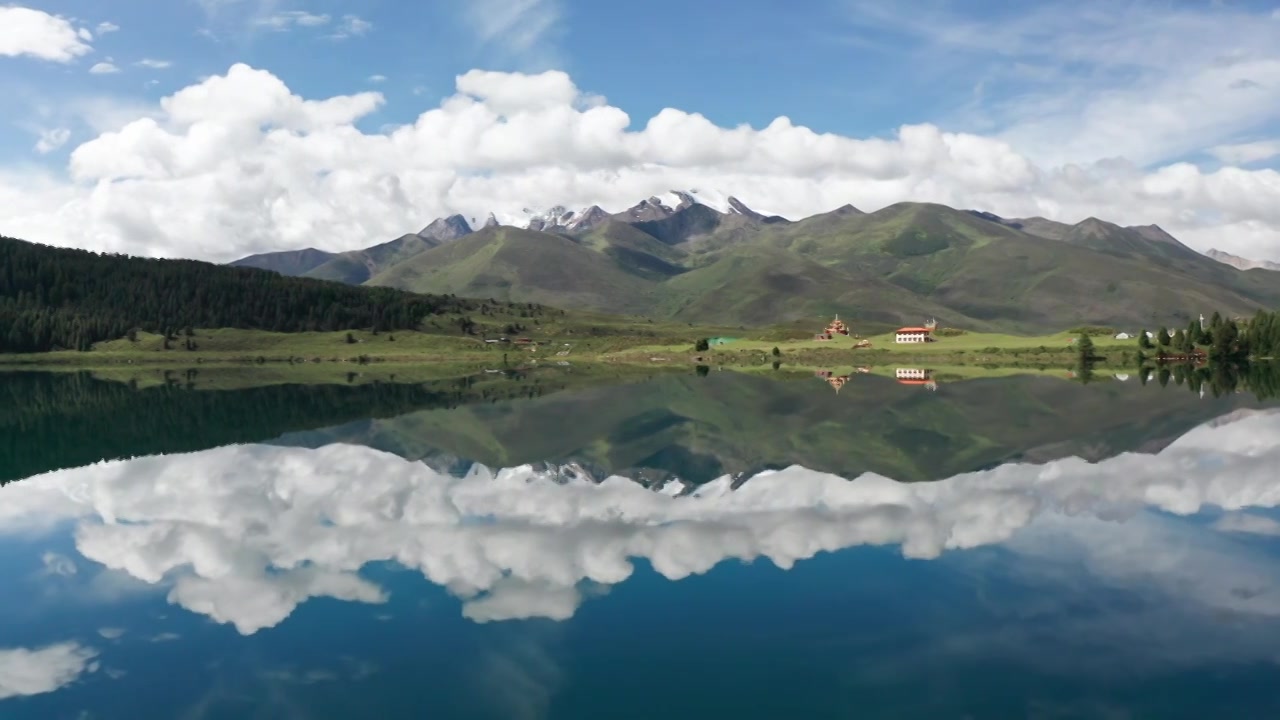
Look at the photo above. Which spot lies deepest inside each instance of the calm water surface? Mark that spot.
(562, 544)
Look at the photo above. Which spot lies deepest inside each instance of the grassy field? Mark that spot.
(1055, 350)
(938, 373)
(231, 345)
(602, 340)
(968, 342)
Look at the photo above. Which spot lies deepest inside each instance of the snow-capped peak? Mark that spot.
(587, 218)
(676, 200)
(656, 207)
(561, 218)
(737, 207)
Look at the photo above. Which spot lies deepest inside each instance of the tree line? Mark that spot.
(1219, 339)
(66, 299)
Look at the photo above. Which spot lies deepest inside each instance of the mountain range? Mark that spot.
(1240, 263)
(699, 257)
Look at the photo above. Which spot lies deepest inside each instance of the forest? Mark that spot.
(1219, 338)
(66, 299)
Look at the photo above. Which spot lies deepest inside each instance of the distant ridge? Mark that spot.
(1240, 263)
(287, 262)
(700, 256)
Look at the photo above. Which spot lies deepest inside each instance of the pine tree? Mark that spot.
(1225, 338)
(1084, 345)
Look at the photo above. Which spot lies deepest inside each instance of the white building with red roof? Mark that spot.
(913, 335)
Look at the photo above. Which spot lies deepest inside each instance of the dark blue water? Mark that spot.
(339, 580)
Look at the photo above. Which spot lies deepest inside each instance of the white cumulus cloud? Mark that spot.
(106, 27)
(35, 33)
(105, 67)
(154, 64)
(238, 163)
(43, 670)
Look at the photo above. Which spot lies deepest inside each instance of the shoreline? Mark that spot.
(350, 350)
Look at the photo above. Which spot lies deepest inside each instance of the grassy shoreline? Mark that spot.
(241, 347)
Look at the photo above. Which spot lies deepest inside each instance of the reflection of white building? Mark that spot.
(913, 335)
(916, 376)
(1122, 377)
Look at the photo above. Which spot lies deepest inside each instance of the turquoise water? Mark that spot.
(377, 568)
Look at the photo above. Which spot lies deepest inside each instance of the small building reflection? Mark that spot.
(916, 376)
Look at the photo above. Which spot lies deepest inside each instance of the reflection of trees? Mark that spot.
(1219, 378)
(1084, 371)
(57, 420)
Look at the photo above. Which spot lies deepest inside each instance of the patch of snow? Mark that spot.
(666, 203)
(672, 488)
(582, 216)
(551, 217)
(713, 199)
(513, 219)
(669, 200)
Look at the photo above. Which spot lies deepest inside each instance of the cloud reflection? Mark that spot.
(245, 534)
(35, 672)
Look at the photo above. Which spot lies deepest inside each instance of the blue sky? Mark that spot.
(833, 65)
(1049, 97)
(735, 62)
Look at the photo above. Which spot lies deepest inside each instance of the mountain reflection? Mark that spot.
(245, 534)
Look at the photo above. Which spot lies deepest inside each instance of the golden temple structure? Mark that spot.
(834, 328)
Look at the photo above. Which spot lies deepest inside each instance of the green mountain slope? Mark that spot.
(902, 264)
(288, 262)
(759, 284)
(358, 266)
(635, 251)
(994, 273)
(508, 263)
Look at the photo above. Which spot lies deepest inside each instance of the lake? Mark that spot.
(570, 542)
